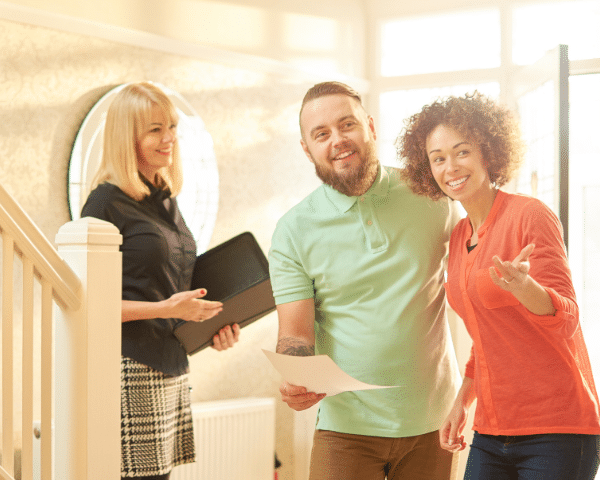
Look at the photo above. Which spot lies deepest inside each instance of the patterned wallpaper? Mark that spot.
(49, 80)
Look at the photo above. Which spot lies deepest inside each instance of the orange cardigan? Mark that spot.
(532, 373)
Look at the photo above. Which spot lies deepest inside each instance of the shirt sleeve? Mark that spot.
(98, 205)
(289, 279)
(550, 268)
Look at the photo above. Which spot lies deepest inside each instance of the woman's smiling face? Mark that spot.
(155, 144)
(457, 165)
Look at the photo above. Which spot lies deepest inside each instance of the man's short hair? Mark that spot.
(328, 88)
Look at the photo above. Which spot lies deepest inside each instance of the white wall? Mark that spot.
(320, 36)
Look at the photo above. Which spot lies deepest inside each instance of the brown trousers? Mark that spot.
(342, 456)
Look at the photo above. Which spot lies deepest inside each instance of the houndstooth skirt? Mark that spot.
(156, 421)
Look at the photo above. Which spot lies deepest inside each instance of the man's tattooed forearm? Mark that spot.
(293, 346)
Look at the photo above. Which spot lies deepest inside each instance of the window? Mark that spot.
(417, 54)
(584, 221)
(540, 27)
(441, 43)
(537, 177)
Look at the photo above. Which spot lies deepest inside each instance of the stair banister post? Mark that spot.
(88, 355)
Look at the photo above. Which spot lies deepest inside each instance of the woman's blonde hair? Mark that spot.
(126, 119)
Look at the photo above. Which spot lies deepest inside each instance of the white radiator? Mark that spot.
(235, 440)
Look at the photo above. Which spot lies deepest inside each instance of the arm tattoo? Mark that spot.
(293, 346)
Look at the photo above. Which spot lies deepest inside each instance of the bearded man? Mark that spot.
(357, 274)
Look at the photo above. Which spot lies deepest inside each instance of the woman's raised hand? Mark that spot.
(511, 276)
(190, 306)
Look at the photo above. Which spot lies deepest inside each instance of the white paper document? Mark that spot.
(317, 373)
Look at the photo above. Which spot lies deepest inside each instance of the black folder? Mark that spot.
(236, 273)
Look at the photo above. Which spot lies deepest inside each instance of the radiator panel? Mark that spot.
(235, 439)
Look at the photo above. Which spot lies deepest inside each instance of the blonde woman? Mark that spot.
(139, 176)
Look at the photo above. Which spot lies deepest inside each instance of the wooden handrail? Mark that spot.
(30, 242)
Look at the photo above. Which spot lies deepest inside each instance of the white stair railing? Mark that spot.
(78, 326)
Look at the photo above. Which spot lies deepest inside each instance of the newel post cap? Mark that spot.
(88, 231)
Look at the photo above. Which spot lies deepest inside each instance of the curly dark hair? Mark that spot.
(482, 120)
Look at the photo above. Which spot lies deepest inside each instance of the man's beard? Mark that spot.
(353, 181)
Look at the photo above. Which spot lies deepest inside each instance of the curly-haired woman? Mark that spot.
(537, 413)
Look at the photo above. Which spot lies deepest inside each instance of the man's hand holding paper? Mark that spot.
(299, 398)
(314, 375)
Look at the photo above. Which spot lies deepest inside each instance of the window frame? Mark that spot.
(502, 74)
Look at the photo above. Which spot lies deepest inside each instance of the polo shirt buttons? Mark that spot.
(362, 199)
(369, 222)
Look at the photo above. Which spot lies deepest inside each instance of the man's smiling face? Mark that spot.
(339, 138)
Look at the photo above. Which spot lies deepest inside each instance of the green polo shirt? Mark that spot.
(374, 266)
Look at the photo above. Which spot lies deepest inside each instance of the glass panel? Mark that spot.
(541, 27)
(538, 174)
(441, 43)
(584, 221)
(396, 106)
(589, 300)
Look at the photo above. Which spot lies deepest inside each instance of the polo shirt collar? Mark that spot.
(343, 203)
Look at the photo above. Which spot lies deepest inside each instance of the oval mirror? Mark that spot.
(199, 197)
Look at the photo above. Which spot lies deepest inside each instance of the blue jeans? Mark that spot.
(533, 457)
